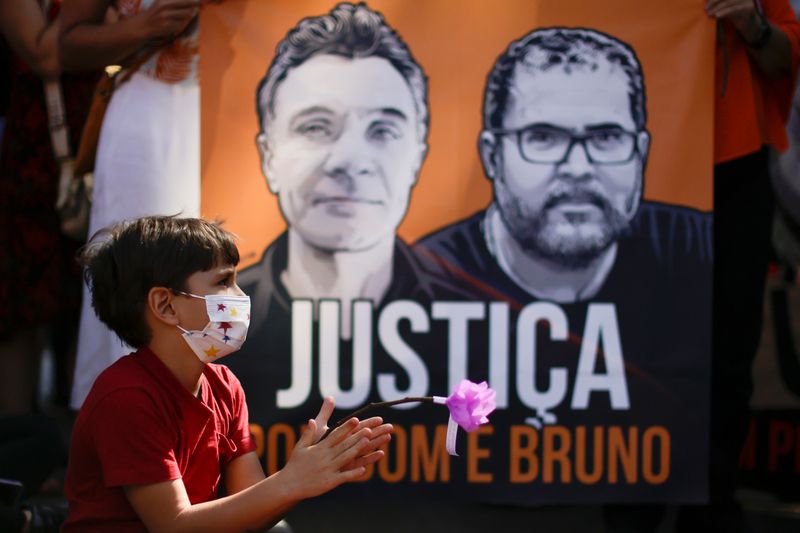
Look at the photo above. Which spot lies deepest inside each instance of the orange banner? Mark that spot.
(517, 192)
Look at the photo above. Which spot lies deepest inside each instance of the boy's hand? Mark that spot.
(316, 467)
(380, 434)
(377, 439)
(323, 416)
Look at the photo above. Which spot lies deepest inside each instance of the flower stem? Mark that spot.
(377, 405)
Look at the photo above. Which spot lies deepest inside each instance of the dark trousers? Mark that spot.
(743, 209)
(30, 449)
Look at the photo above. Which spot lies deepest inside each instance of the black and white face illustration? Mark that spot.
(342, 150)
(567, 160)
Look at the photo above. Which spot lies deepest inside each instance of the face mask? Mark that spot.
(229, 318)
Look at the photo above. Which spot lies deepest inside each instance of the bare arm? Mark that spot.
(245, 471)
(30, 36)
(313, 469)
(774, 57)
(87, 43)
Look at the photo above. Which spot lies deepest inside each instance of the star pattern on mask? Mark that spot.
(211, 351)
(234, 312)
(225, 326)
(221, 307)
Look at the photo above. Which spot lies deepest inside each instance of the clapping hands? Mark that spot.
(317, 466)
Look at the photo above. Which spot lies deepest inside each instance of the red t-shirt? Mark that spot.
(139, 425)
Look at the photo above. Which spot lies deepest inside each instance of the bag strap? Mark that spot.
(136, 64)
(57, 124)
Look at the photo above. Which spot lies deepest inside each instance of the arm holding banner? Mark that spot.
(32, 38)
(768, 33)
(87, 42)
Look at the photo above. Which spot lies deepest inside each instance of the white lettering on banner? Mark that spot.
(302, 337)
(401, 352)
(458, 316)
(601, 338)
(329, 356)
(498, 352)
(541, 401)
(601, 323)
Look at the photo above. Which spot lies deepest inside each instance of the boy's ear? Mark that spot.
(159, 303)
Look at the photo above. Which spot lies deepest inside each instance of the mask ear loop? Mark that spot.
(184, 293)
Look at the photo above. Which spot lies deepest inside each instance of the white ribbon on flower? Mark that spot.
(452, 428)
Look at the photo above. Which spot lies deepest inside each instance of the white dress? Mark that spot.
(148, 163)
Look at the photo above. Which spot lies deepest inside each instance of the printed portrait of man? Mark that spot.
(565, 144)
(343, 119)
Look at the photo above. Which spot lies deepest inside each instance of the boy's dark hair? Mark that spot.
(123, 262)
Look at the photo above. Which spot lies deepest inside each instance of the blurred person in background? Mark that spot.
(40, 288)
(40, 278)
(148, 160)
(758, 51)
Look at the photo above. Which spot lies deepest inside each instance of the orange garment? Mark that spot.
(753, 109)
(176, 61)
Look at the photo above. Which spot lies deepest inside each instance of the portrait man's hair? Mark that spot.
(350, 30)
(569, 49)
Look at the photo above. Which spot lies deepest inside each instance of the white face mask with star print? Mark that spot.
(229, 318)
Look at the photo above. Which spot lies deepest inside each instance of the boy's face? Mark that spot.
(220, 279)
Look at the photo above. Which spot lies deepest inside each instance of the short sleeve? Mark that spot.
(239, 428)
(780, 13)
(134, 443)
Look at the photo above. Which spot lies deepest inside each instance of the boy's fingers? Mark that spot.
(382, 430)
(350, 475)
(350, 448)
(323, 417)
(352, 441)
(367, 457)
(365, 460)
(307, 438)
(383, 438)
(340, 433)
(349, 454)
(375, 421)
(375, 443)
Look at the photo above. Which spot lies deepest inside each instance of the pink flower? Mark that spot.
(471, 403)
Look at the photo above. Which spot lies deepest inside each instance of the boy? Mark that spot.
(161, 426)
